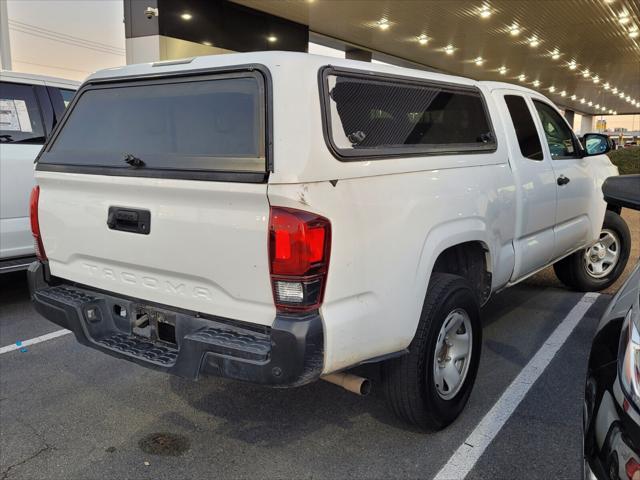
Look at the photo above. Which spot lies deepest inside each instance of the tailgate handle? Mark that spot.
(130, 220)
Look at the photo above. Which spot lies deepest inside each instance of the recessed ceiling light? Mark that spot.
(186, 16)
(585, 73)
(615, 112)
(610, 111)
(633, 32)
(596, 79)
(534, 41)
(621, 95)
(607, 86)
(572, 65)
(615, 90)
(555, 55)
(582, 100)
(272, 39)
(573, 97)
(552, 89)
(485, 11)
(502, 70)
(423, 39)
(590, 104)
(449, 49)
(628, 99)
(598, 106)
(623, 18)
(479, 61)
(514, 30)
(536, 83)
(205, 42)
(563, 93)
(522, 77)
(383, 24)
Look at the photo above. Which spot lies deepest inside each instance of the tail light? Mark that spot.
(299, 248)
(35, 224)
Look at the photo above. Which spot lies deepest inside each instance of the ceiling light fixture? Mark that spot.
(479, 61)
(563, 93)
(502, 70)
(534, 41)
(573, 65)
(423, 39)
(590, 104)
(383, 24)
(621, 95)
(555, 55)
(207, 43)
(615, 90)
(536, 83)
(186, 16)
(623, 18)
(272, 39)
(607, 86)
(596, 79)
(585, 73)
(485, 11)
(522, 77)
(514, 30)
(582, 100)
(552, 89)
(633, 31)
(449, 49)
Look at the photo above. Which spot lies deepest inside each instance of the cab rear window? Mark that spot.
(384, 116)
(215, 123)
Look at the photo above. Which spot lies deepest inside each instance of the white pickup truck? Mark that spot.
(281, 217)
(30, 106)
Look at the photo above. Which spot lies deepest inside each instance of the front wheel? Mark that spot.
(430, 386)
(600, 265)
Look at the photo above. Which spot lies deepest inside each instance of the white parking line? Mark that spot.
(33, 341)
(463, 460)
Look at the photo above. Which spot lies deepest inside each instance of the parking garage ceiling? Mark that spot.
(583, 54)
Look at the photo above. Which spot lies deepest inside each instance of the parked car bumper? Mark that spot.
(287, 354)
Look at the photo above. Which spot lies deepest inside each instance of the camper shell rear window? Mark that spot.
(206, 126)
(369, 115)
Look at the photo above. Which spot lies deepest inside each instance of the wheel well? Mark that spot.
(614, 208)
(469, 260)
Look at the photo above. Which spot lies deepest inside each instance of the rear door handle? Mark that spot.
(562, 180)
(131, 220)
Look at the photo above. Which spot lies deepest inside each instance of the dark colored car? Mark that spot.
(612, 391)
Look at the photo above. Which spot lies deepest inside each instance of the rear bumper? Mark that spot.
(289, 353)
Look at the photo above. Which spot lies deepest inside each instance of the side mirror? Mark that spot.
(622, 191)
(596, 144)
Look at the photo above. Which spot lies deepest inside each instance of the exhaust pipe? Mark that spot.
(352, 383)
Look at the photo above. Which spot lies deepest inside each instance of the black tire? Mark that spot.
(572, 271)
(408, 382)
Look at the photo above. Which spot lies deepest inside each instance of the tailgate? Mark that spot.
(156, 189)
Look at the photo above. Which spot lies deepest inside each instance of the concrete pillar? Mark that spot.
(587, 125)
(570, 116)
(353, 53)
(5, 46)
(142, 31)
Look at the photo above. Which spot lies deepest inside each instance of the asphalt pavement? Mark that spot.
(70, 412)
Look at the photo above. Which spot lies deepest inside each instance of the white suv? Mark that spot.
(30, 106)
(282, 217)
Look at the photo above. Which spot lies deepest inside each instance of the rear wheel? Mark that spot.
(430, 386)
(600, 265)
